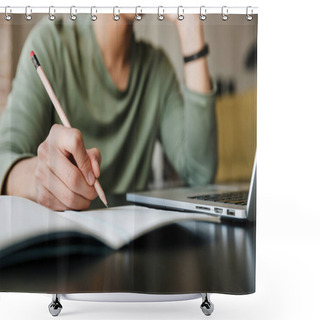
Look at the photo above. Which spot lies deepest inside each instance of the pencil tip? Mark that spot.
(31, 54)
(100, 193)
(104, 200)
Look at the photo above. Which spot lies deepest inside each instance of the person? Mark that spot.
(120, 95)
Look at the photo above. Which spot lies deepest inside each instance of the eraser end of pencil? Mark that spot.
(34, 59)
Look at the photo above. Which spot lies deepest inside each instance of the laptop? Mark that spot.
(234, 201)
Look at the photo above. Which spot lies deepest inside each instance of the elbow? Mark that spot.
(202, 174)
(203, 178)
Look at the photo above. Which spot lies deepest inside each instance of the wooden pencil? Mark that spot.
(61, 113)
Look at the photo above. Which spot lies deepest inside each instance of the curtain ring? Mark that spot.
(27, 15)
(224, 13)
(138, 16)
(160, 16)
(116, 17)
(180, 15)
(73, 16)
(7, 16)
(93, 16)
(249, 17)
(203, 15)
(52, 17)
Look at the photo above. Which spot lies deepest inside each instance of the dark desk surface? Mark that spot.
(181, 258)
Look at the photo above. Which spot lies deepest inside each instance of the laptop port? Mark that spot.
(231, 212)
(218, 210)
(202, 208)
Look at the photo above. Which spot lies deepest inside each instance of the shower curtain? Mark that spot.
(154, 101)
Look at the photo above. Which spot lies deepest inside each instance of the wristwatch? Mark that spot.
(202, 53)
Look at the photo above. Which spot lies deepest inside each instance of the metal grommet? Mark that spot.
(7, 17)
(73, 15)
(27, 14)
(249, 17)
(203, 13)
(116, 17)
(51, 16)
(160, 15)
(224, 13)
(138, 16)
(93, 16)
(180, 15)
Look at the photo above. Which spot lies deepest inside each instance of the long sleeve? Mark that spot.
(27, 117)
(188, 131)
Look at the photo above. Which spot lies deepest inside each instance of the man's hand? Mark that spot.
(61, 177)
(66, 171)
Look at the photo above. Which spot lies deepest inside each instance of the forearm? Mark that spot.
(200, 129)
(196, 72)
(21, 179)
(189, 124)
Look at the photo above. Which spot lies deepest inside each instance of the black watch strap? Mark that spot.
(202, 53)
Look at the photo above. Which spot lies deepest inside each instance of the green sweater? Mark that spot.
(123, 125)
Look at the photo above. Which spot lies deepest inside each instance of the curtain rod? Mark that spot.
(138, 10)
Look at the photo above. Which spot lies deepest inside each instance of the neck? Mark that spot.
(114, 40)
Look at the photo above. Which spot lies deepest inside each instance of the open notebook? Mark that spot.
(25, 224)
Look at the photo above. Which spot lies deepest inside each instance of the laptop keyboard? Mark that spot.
(239, 198)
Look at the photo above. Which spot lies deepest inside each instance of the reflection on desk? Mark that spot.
(186, 257)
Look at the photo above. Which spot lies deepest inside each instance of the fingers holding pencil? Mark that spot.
(73, 145)
(61, 146)
(58, 180)
(75, 148)
(95, 159)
